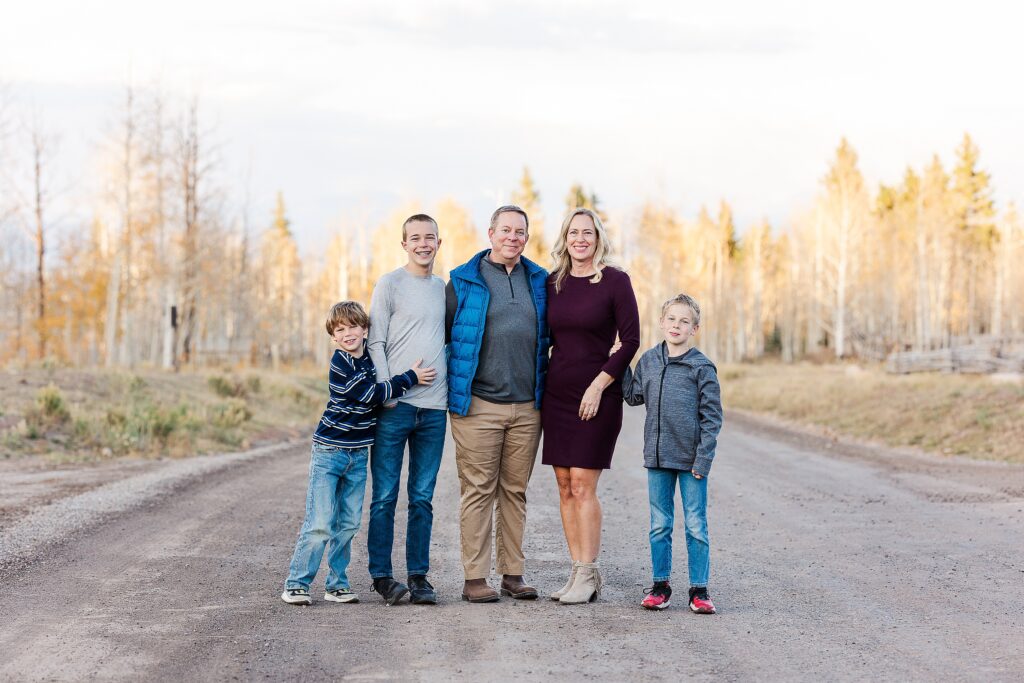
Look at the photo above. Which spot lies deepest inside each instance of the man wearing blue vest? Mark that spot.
(495, 321)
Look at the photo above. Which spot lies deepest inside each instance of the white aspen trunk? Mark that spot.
(126, 353)
(1013, 278)
(921, 331)
(972, 294)
(170, 352)
(739, 330)
(757, 320)
(999, 284)
(719, 310)
(818, 275)
(38, 148)
(940, 306)
(111, 321)
(788, 303)
(839, 312)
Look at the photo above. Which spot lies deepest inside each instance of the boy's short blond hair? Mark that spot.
(347, 313)
(684, 300)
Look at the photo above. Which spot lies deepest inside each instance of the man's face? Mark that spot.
(509, 236)
(421, 242)
(677, 324)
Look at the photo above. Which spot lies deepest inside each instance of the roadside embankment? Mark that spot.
(978, 416)
(59, 416)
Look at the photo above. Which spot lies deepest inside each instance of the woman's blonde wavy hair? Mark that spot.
(560, 254)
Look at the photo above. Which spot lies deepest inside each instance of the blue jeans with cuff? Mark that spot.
(661, 488)
(334, 507)
(424, 430)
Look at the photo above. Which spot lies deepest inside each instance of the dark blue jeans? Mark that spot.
(423, 429)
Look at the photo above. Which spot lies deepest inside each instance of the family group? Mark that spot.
(509, 351)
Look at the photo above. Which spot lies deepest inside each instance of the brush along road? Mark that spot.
(828, 562)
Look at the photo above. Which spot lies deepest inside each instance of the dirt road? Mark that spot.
(827, 563)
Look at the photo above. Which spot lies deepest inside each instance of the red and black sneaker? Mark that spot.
(700, 601)
(657, 596)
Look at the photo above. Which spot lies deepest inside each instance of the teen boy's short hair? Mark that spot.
(417, 217)
(685, 300)
(347, 313)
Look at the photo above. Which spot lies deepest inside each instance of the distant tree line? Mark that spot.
(167, 275)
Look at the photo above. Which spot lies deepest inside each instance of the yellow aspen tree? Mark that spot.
(844, 214)
(974, 215)
(460, 238)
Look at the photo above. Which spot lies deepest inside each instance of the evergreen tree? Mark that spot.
(975, 209)
(579, 199)
(281, 289)
(974, 213)
(538, 249)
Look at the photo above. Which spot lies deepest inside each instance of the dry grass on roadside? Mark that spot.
(81, 415)
(976, 416)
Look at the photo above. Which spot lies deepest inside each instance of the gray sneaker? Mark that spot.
(341, 595)
(297, 596)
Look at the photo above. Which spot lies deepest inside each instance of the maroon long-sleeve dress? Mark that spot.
(584, 318)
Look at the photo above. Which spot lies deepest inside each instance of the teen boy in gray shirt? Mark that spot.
(407, 316)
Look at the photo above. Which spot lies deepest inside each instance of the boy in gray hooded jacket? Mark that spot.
(684, 415)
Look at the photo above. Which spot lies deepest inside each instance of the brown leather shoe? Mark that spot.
(477, 590)
(514, 586)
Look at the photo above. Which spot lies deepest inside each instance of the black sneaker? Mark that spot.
(420, 591)
(392, 591)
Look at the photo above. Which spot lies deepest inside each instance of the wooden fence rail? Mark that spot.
(981, 356)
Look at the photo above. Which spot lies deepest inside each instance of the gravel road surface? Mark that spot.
(829, 561)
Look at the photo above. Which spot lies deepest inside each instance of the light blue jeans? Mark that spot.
(334, 507)
(661, 489)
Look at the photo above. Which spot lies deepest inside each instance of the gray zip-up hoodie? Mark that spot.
(684, 408)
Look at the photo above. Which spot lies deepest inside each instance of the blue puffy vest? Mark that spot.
(470, 321)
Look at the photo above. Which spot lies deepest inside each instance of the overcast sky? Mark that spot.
(350, 108)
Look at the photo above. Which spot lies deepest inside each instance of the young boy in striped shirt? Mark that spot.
(337, 468)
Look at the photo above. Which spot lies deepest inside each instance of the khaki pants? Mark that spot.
(495, 448)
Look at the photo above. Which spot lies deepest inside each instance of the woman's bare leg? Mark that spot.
(583, 491)
(567, 507)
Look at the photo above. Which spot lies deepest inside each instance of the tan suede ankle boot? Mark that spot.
(568, 584)
(586, 587)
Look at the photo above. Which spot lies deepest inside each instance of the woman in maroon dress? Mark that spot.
(589, 302)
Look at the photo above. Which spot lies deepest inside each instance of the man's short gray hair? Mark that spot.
(684, 300)
(508, 208)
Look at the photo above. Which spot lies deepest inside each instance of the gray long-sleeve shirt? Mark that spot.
(407, 324)
(507, 370)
